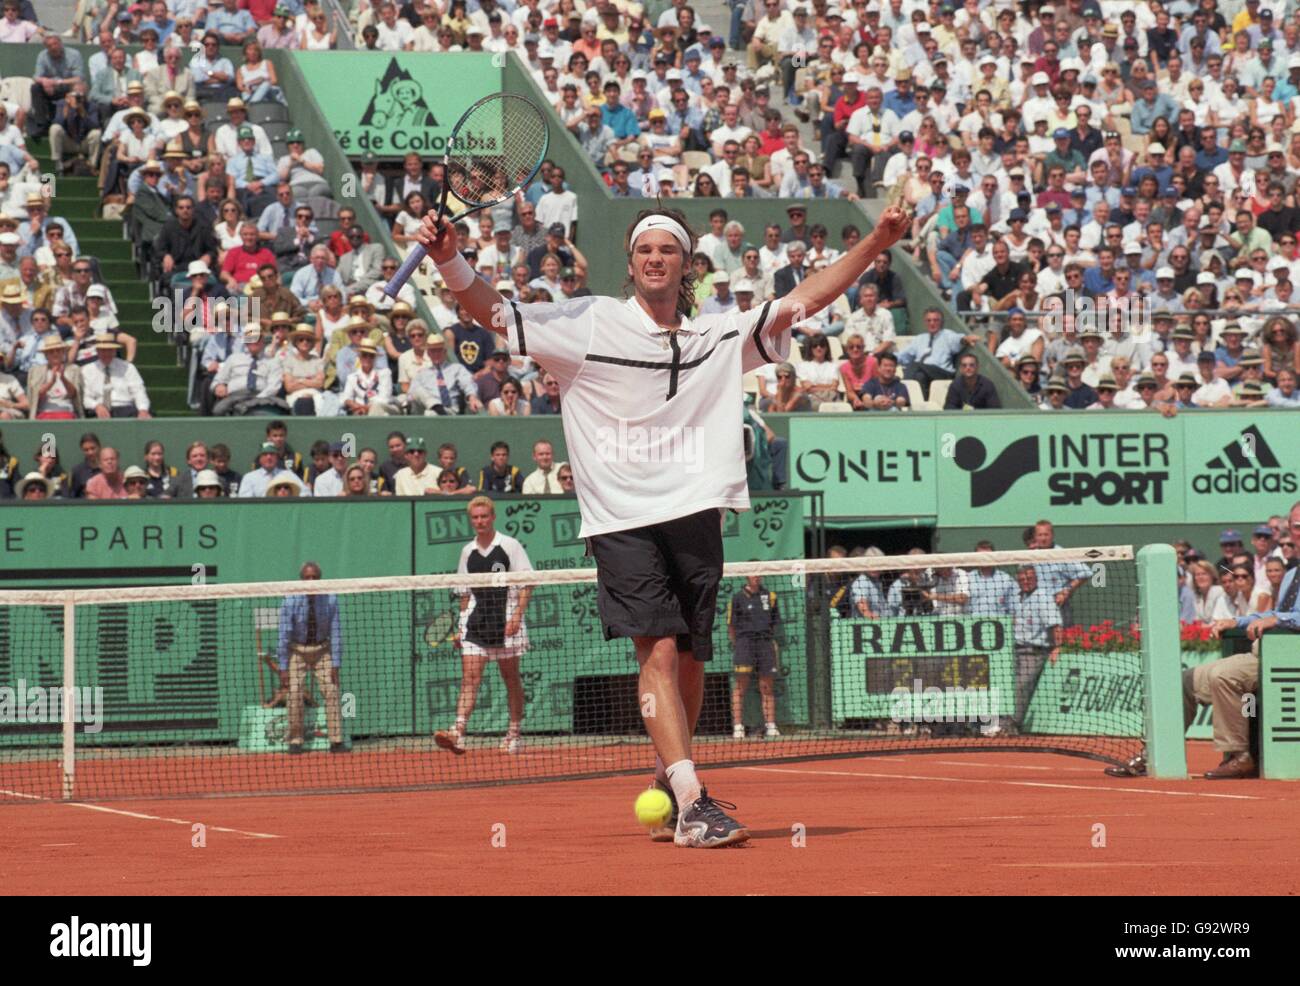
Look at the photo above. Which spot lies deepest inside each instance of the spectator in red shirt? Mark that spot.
(107, 484)
(835, 141)
(339, 242)
(771, 137)
(1055, 193)
(260, 9)
(241, 262)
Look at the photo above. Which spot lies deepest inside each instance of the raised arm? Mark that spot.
(479, 298)
(816, 292)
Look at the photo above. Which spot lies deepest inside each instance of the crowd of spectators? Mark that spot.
(330, 468)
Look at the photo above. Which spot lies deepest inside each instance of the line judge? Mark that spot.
(642, 367)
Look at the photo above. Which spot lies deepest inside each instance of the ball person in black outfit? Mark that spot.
(491, 625)
(752, 621)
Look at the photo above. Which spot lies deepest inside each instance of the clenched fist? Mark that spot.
(894, 222)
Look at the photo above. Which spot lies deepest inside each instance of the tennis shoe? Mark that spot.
(510, 743)
(666, 831)
(738, 731)
(450, 739)
(771, 732)
(705, 825)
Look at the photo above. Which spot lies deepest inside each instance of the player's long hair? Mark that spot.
(686, 291)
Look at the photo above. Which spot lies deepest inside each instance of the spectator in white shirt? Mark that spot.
(330, 482)
(545, 478)
(558, 205)
(112, 387)
(369, 388)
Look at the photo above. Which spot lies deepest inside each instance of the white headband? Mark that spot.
(665, 223)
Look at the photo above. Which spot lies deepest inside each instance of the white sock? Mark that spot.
(771, 725)
(661, 771)
(685, 785)
(460, 726)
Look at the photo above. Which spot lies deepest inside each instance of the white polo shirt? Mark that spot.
(652, 420)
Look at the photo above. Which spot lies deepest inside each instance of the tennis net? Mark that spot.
(201, 690)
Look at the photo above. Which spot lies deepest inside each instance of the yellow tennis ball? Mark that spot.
(653, 807)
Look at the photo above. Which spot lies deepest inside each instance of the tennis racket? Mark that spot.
(495, 150)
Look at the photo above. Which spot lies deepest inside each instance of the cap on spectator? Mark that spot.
(474, 29)
(1018, 215)
(1060, 133)
(1040, 79)
(505, 285)
(1169, 192)
(9, 239)
(1110, 31)
(51, 341)
(921, 27)
(136, 113)
(360, 301)
(1107, 382)
(149, 166)
(1156, 148)
(1266, 14)
(906, 137)
(658, 114)
(1092, 332)
(1205, 356)
(253, 333)
(1164, 315)
(1251, 358)
(1028, 58)
(566, 272)
(1132, 246)
(1230, 537)
(1246, 274)
(294, 137)
(1273, 147)
(1051, 206)
(555, 229)
(366, 347)
(280, 318)
(106, 340)
(673, 74)
(197, 268)
(235, 103)
(1250, 388)
(192, 106)
(791, 209)
(245, 133)
(1205, 277)
(742, 285)
(531, 39)
(1237, 147)
(903, 74)
(134, 86)
(1074, 355)
(1071, 65)
(171, 96)
(1128, 191)
(303, 331)
(1279, 263)
(1293, 62)
(986, 59)
(721, 277)
(1056, 383)
(850, 79)
(1183, 332)
(1185, 380)
(693, 53)
(1016, 172)
(1165, 273)
(133, 473)
(282, 11)
(1146, 380)
(1026, 359)
(1232, 328)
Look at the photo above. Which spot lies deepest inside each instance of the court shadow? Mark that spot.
(811, 833)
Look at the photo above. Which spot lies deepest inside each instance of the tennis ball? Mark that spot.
(653, 807)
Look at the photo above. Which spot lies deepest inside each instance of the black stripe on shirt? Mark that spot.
(519, 329)
(643, 364)
(758, 333)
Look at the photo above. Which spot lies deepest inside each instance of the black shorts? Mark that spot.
(755, 655)
(661, 581)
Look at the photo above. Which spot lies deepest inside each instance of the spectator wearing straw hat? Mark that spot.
(136, 482)
(310, 634)
(208, 485)
(368, 389)
(1054, 394)
(359, 333)
(34, 486)
(303, 371)
(113, 387)
(54, 386)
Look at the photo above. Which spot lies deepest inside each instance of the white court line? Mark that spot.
(972, 780)
(141, 815)
(1011, 766)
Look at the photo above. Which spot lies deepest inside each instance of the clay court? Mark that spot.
(943, 823)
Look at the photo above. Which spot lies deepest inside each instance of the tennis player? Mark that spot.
(491, 625)
(652, 408)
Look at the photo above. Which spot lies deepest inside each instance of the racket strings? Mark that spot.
(502, 142)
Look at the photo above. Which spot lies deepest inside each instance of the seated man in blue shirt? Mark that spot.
(309, 631)
(933, 354)
(884, 391)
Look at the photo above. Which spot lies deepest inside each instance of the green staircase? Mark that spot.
(77, 201)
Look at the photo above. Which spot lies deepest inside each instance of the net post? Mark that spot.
(68, 708)
(1161, 665)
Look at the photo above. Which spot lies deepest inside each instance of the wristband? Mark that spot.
(456, 273)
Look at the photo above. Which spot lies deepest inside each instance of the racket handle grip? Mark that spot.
(412, 261)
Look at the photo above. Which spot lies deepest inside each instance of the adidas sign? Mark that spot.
(1248, 465)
